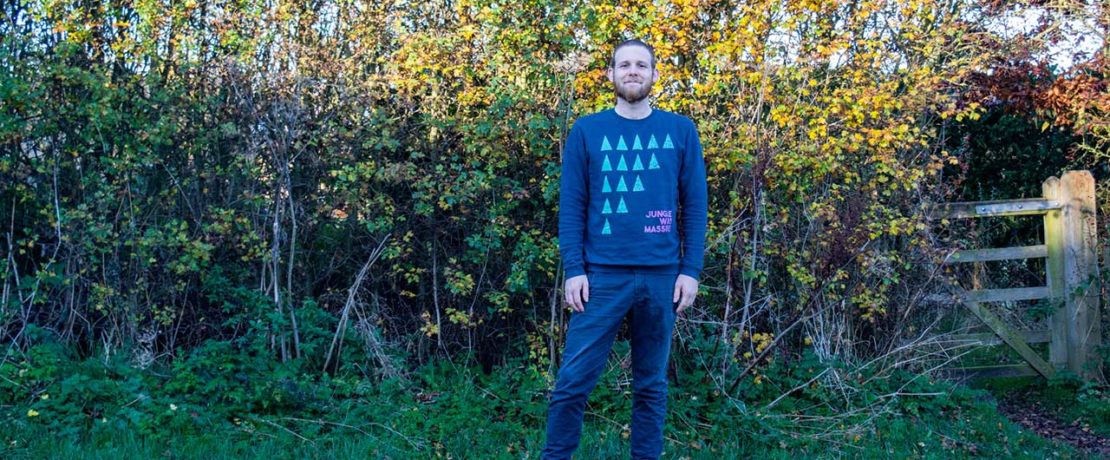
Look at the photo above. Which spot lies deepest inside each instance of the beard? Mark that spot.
(632, 94)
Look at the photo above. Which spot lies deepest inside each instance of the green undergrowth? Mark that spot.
(221, 402)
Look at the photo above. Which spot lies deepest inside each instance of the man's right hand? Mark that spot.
(577, 292)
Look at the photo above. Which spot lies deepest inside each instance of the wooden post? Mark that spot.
(1016, 341)
(1077, 194)
(1054, 271)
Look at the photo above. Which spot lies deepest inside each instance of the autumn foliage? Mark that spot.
(183, 171)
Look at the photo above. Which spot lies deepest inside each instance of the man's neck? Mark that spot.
(637, 111)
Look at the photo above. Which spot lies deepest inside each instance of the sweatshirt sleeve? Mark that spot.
(694, 201)
(573, 199)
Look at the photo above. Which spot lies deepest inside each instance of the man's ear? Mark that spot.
(609, 74)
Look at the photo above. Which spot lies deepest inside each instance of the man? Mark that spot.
(627, 173)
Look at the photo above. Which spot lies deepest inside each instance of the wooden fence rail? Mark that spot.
(1071, 278)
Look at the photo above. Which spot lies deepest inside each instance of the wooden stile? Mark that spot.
(995, 254)
(1071, 279)
(1081, 298)
(1054, 273)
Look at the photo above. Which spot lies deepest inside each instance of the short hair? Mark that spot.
(631, 42)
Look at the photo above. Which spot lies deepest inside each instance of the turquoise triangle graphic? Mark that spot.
(622, 166)
(605, 144)
(607, 209)
(638, 165)
(605, 188)
(605, 166)
(621, 145)
(638, 186)
(621, 187)
(651, 142)
(636, 143)
(606, 230)
(621, 208)
(653, 164)
(667, 142)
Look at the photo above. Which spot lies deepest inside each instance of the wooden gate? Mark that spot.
(1070, 283)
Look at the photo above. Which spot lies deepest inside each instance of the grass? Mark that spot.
(222, 403)
(907, 439)
(469, 415)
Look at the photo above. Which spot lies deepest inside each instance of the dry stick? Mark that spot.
(774, 344)
(769, 348)
(325, 422)
(371, 340)
(279, 152)
(294, 433)
(792, 390)
(252, 431)
(728, 302)
(341, 328)
(292, 253)
(254, 151)
(416, 446)
(435, 296)
(26, 304)
(276, 274)
(729, 237)
(890, 397)
(748, 284)
(707, 366)
(478, 285)
(756, 224)
(920, 340)
(58, 226)
(287, 184)
(883, 402)
(481, 278)
(622, 427)
(920, 294)
(560, 274)
(15, 275)
(552, 346)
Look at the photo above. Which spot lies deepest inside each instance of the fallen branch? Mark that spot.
(352, 293)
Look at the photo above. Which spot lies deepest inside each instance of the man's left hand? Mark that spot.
(685, 289)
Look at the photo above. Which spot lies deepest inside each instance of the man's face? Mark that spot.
(632, 74)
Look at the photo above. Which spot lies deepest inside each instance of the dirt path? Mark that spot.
(1034, 417)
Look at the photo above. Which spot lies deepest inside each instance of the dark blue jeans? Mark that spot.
(645, 298)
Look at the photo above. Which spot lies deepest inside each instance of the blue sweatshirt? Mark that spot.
(623, 184)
